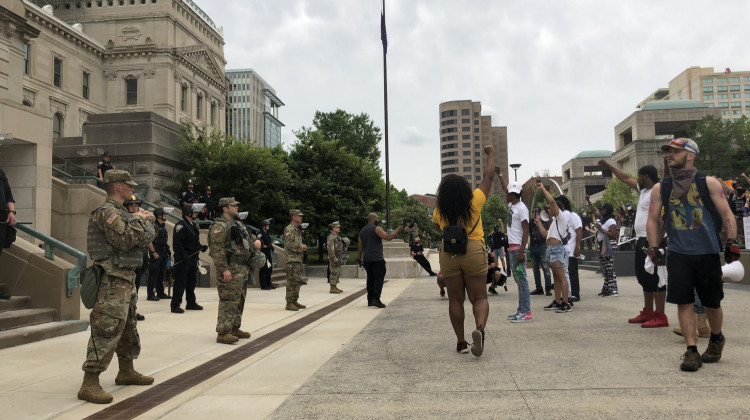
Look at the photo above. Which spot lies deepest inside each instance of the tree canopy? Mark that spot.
(617, 193)
(723, 145)
(257, 177)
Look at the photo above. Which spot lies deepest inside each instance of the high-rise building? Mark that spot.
(729, 91)
(252, 109)
(464, 132)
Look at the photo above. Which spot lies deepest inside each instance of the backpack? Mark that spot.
(700, 183)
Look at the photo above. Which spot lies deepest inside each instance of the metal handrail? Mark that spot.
(50, 244)
(169, 200)
(73, 178)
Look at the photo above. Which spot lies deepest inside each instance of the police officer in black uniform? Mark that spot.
(189, 196)
(266, 248)
(102, 168)
(186, 245)
(157, 259)
(208, 212)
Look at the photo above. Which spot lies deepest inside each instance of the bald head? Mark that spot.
(372, 217)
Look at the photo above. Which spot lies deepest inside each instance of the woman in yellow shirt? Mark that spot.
(466, 273)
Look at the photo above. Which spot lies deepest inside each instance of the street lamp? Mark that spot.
(515, 167)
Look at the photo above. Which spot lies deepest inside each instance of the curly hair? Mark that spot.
(454, 196)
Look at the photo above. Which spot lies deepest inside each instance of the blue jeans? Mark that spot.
(524, 298)
(537, 255)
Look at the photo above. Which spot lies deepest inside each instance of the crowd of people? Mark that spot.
(678, 229)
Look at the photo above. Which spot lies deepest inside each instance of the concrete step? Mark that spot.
(24, 317)
(15, 302)
(32, 333)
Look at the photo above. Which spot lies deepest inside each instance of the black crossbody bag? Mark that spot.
(455, 238)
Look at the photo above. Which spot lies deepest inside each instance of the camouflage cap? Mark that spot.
(295, 212)
(334, 224)
(228, 201)
(118, 175)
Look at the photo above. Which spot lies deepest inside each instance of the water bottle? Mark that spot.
(520, 270)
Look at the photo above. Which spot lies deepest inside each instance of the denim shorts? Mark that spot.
(556, 253)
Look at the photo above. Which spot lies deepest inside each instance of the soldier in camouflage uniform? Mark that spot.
(231, 251)
(335, 246)
(116, 240)
(294, 249)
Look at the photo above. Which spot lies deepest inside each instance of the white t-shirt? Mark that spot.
(518, 214)
(558, 227)
(610, 222)
(641, 213)
(573, 224)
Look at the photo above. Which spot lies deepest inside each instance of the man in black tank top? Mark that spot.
(370, 254)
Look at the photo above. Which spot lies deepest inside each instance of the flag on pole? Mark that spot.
(383, 35)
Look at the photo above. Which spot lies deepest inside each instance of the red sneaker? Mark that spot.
(644, 316)
(658, 321)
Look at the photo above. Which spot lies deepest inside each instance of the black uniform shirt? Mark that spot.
(162, 237)
(187, 197)
(266, 243)
(185, 240)
(104, 167)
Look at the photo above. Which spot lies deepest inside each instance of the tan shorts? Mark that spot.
(473, 263)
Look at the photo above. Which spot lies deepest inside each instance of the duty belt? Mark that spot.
(237, 259)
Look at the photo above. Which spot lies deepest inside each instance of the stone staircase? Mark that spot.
(20, 323)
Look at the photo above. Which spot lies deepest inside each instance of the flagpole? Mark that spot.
(384, 39)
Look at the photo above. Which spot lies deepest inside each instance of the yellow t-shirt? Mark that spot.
(477, 202)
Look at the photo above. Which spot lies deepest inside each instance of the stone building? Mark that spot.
(83, 77)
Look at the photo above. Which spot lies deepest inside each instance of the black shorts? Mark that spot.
(491, 274)
(649, 282)
(699, 272)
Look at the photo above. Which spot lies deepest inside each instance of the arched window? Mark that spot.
(57, 126)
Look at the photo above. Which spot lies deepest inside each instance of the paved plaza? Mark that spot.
(340, 359)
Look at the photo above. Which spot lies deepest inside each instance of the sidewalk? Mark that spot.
(358, 362)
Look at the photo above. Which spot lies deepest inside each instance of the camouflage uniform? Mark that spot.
(335, 246)
(233, 255)
(115, 241)
(293, 248)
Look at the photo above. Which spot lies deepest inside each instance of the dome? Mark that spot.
(594, 154)
(668, 104)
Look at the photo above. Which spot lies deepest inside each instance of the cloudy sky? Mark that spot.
(559, 74)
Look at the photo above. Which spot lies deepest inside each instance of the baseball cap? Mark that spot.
(295, 212)
(681, 144)
(515, 187)
(228, 201)
(118, 175)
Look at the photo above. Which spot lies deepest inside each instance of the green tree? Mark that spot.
(494, 209)
(414, 212)
(617, 192)
(723, 146)
(257, 177)
(356, 133)
(330, 183)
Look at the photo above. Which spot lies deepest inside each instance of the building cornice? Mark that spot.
(62, 29)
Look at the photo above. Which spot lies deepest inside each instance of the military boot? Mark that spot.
(240, 334)
(291, 307)
(128, 375)
(91, 391)
(335, 290)
(299, 305)
(226, 338)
